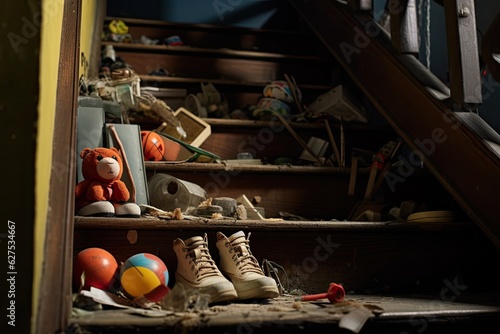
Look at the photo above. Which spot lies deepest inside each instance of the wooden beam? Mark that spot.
(55, 301)
(456, 155)
(404, 26)
(463, 58)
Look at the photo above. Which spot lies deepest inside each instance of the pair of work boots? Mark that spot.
(196, 270)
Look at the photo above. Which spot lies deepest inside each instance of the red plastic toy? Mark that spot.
(334, 294)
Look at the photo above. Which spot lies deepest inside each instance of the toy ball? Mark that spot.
(97, 266)
(281, 90)
(152, 146)
(142, 273)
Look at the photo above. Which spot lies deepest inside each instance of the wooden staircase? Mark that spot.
(432, 277)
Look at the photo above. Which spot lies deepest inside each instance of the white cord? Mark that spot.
(428, 34)
(425, 19)
(419, 13)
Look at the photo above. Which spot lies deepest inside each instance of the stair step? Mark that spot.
(365, 256)
(372, 314)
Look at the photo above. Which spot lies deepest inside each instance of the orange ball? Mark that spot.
(98, 268)
(152, 146)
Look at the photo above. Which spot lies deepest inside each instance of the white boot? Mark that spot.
(242, 268)
(196, 270)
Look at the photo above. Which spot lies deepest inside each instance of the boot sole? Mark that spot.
(263, 292)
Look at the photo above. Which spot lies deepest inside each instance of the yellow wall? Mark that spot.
(51, 27)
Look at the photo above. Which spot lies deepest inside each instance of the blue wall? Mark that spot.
(242, 13)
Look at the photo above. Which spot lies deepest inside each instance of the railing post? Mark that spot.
(463, 57)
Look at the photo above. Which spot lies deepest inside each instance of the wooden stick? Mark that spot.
(296, 86)
(132, 189)
(294, 94)
(297, 138)
(342, 143)
(371, 181)
(352, 179)
(332, 142)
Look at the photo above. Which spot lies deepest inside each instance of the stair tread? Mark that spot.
(154, 223)
(285, 311)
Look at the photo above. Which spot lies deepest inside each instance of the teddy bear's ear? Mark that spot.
(115, 150)
(84, 152)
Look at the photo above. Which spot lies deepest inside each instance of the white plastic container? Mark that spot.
(168, 193)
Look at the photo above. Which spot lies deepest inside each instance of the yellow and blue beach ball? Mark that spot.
(142, 273)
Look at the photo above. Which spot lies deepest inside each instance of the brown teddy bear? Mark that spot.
(102, 193)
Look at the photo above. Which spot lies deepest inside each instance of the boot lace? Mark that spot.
(200, 259)
(242, 256)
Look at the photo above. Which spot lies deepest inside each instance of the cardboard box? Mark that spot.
(197, 130)
(339, 103)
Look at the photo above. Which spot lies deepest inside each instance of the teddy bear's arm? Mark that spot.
(81, 188)
(95, 192)
(120, 191)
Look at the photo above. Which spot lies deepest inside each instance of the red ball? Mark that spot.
(98, 266)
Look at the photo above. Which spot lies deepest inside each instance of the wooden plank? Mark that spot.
(243, 70)
(463, 57)
(216, 28)
(316, 197)
(353, 176)
(223, 36)
(274, 141)
(219, 167)
(160, 224)
(55, 285)
(286, 314)
(220, 53)
(426, 124)
(149, 79)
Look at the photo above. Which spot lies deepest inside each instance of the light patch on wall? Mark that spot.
(89, 8)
